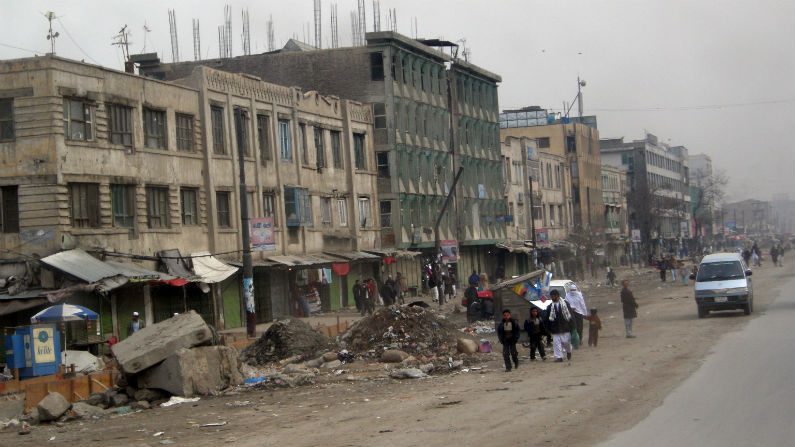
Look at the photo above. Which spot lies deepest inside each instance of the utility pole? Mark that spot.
(532, 218)
(248, 268)
(50, 35)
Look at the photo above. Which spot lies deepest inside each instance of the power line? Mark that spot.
(23, 49)
(75, 42)
(695, 107)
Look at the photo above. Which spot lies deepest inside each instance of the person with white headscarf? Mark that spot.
(579, 309)
(558, 319)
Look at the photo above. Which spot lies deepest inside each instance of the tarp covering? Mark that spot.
(304, 260)
(10, 304)
(209, 269)
(353, 255)
(175, 264)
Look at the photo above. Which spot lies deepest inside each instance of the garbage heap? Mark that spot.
(418, 331)
(285, 339)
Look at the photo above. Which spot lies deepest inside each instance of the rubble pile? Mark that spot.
(479, 328)
(415, 330)
(285, 339)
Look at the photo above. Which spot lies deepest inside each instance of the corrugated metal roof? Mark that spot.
(81, 265)
(304, 260)
(210, 269)
(138, 273)
(353, 255)
(517, 280)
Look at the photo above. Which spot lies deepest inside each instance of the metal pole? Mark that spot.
(437, 240)
(532, 219)
(248, 268)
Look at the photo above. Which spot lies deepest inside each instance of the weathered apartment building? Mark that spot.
(434, 113)
(574, 143)
(129, 167)
(658, 189)
(614, 195)
(522, 194)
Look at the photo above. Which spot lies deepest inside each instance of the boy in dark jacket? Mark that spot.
(593, 328)
(508, 334)
(535, 330)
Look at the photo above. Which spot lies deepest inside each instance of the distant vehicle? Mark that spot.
(723, 282)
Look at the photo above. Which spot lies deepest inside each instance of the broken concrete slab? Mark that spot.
(53, 406)
(12, 406)
(199, 371)
(86, 411)
(407, 373)
(155, 343)
(393, 356)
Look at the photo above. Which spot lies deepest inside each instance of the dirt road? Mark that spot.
(604, 390)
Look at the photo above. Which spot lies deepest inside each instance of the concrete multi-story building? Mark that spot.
(659, 189)
(702, 193)
(614, 195)
(520, 161)
(576, 141)
(129, 167)
(433, 114)
(751, 216)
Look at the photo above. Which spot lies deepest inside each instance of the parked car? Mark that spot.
(723, 282)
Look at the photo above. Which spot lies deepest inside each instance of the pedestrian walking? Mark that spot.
(594, 326)
(774, 255)
(535, 329)
(662, 266)
(683, 273)
(474, 278)
(508, 334)
(403, 287)
(674, 267)
(357, 295)
(448, 286)
(630, 307)
(579, 310)
(388, 292)
(611, 277)
(557, 318)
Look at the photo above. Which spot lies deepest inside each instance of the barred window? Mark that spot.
(120, 124)
(157, 207)
(184, 132)
(155, 136)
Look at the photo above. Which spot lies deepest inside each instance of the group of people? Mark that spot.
(366, 293)
(561, 323)
(675, 266)
(753, 256)
(442, 283)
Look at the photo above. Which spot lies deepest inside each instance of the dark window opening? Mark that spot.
(222, 205)
(386, 213)
(263, 138)
(157, 207)
(84, 198)
(184, 132)
(377, 66)
(336, 149)
(217, 123)
(7, 119)
(122, 198)
(120, 124)
(543, 143)
(379, 115)
(320, 150)
(189, 199)
(77, 120)
(9, 207)
(571, 144)
(358, 151)
(155, 136)
(382, 160)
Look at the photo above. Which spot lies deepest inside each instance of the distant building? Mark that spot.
(752, 217)
(658, 177)
(783, 214)
(614, 195)
(703, 210)
(520, 160)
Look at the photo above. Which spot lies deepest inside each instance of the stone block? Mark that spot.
(198, 371)
(53, 406)
(86, 411)
(12, 406)
(394, 356)
(155, 343)
(148, 395)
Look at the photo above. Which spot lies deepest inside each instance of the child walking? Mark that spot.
(535, 330)
(593, 328)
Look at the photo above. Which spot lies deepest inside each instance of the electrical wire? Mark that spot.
(23, 49)
(75, 42)
(689, 108)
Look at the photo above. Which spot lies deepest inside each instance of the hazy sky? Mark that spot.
(716, 76)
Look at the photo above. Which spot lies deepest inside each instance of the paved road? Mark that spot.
(743, 394)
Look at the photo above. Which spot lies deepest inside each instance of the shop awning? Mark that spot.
(10, 304)
(384, 252)
(309, 260)
(87, 268)
(353, 255)
(515, 248)
(137, 273)
(175, 264)
(209, 269)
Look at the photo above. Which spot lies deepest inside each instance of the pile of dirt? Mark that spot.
(286, 338)
(415, 330)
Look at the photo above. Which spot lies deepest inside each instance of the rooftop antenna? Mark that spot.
(269, 26)
(197, 44)
(362, 21)
(335, 40)
(393, 20)
(50, 35)
(246, 34)
(147, 30)
(227, 31)
(376, 15)
(122, 41)
(415, 28)
(318, 29)
(221, 43)
(172, 22)
(354, 29)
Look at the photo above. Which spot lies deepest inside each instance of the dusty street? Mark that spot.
(603, 391)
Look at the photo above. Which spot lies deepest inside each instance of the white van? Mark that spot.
(723, 282)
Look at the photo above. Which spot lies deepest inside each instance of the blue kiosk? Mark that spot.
(34, 350)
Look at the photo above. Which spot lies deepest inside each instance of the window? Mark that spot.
(358, 151)
(6, 119)
(365, 219)
(325, 210)
(77, 120)
(336, 150)
(377, 66)
(263, 138)
(297, 206)
(120, 124)
(571, 144)
(285, 142)
(155, 129)
(382, 160)
(122, 201)
(242, 128)
(184, 132)
(517, 172)
(189, 200)
(543, 143)
(217, 123)
(9, 207)
(379, 115)
(304, 145)
(157, 207)
(385, 207)
(269, 206)
(222, 206)
(84, 198)
(342, 212)
(320, 150)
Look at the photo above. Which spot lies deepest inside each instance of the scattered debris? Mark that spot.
(407, 373)
(479, 328)
(214, 424)
(176, 400)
